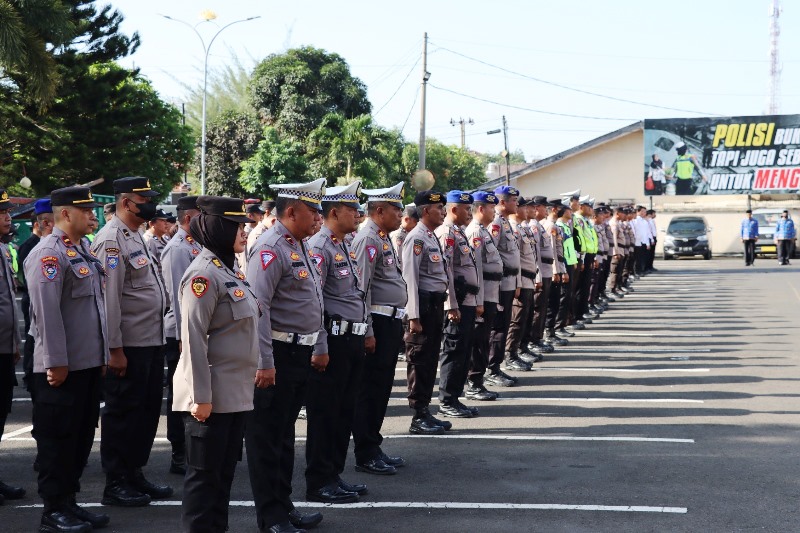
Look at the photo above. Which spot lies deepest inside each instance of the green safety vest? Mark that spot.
(684, 167)
(585, 234)
(570, 256)
(14, 265)
(593, 244)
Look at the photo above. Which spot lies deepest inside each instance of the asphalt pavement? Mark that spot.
(677, 410)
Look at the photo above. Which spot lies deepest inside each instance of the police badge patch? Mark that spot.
(112, 261)
(71, 253)
(495, 230)
(199, 286)
(371, 253)
(50, 267)
(267, 258)
(418, 244)
(476, 242)
(318, 261)
(141, 261)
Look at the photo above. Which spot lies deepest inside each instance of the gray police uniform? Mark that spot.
(9, 334)
(219, 335)
(175, 259)
(398, 237)
(522, 307)
(541, 295)
(507, 245)
(286, 282)
(491, 269)
(465, 293)
(135, 307)
(385, 298)
(551, 237)
(426, 278)
(331, 396)
(65, 284)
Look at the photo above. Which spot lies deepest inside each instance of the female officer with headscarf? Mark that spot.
(219, 358)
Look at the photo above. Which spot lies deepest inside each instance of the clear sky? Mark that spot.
(700, 57)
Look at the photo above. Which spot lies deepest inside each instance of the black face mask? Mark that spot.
(147, 210)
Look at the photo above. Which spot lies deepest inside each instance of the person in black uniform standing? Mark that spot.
(68, 321)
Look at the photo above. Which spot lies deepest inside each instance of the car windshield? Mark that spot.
(687, 226)
(767, 219)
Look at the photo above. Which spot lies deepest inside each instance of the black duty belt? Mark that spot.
(548, 260)
(472, 289)
(602, 253)
(339, 326)
(492, 276)
(508, 271)
(561, 259)
(528, 274)
(439, 297)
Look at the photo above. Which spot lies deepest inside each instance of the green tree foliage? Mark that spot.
(516, 157)
(105, 121)
(231, 140)
(293, 91)
(227, 92)
(276, 160)
(28, 29)
(345, 149)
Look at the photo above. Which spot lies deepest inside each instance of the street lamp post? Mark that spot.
(505, 152)
(208, 16)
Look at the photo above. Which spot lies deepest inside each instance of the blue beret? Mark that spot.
(42, 206)
(485, 196)
(506, 189)
(459, 197)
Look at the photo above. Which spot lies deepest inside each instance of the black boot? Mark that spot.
(97, 520)
(141, 484)
(121, 493)
(178, 463)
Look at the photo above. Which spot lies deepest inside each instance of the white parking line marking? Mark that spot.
(543, 437)
(440, 505)
(615, 349)
(583, 333)
(11, 435)
(573, 369)
(601, 400)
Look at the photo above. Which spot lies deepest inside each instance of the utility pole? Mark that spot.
(773, 98)
(463, 124)
(507, 155)
(425, 77)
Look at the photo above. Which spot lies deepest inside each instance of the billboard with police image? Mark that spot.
(722, 155)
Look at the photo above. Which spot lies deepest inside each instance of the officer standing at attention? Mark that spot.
(339, 353)
(135, 307)
(68, 319)
(178, 254)
(156, 237)
(214, 378)
(425, 274)
(544, 238)
(560, 281)
(522, 307)
(9, 334)
(749, 233)
(285, 280)
(386, 299)
(491, 269)
(464, 294)
(510, 286)
(409, 221)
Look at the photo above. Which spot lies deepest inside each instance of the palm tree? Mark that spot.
(29, 32)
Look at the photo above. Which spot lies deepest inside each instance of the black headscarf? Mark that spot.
(217, 234)
(656, 163)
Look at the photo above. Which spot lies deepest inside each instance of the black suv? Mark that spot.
(687, 236)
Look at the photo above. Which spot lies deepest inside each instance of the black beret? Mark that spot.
(429, 198)
(73, 196)
(134, 184)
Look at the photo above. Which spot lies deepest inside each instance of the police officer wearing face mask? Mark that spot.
(135, 307)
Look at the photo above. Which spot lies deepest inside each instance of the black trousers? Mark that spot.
(130, 416)
(554, 305)
(642, 257)
(567, 295)
(27, 349)
(213, 449)
(784, 250)
(499, 331)
(456, 354)
(375, 386)
(652, 254)
(422, 351)
(175, 425)
(605, 274)
(541, 300)
(480, 344)
(64, 423)
(574, 287)
(520, 324)
(683, 186)
(597, 279)
(749, 251)
(269, 433)
(330, 406)
(585, 284)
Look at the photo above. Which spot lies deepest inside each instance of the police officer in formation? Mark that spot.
(176, 257)
(386, 297)
(9, 334)
(213, 381)
(71, 347)
(339, 351)
(135, 306)
(286, 282)
(464, 294)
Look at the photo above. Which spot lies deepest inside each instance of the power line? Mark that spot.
(569, 88)
(511, 106)
(416, 95)
(400, 86)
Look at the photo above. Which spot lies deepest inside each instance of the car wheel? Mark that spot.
(707, 256)
(667, 257)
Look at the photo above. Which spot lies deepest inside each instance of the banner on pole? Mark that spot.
(723, 155)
